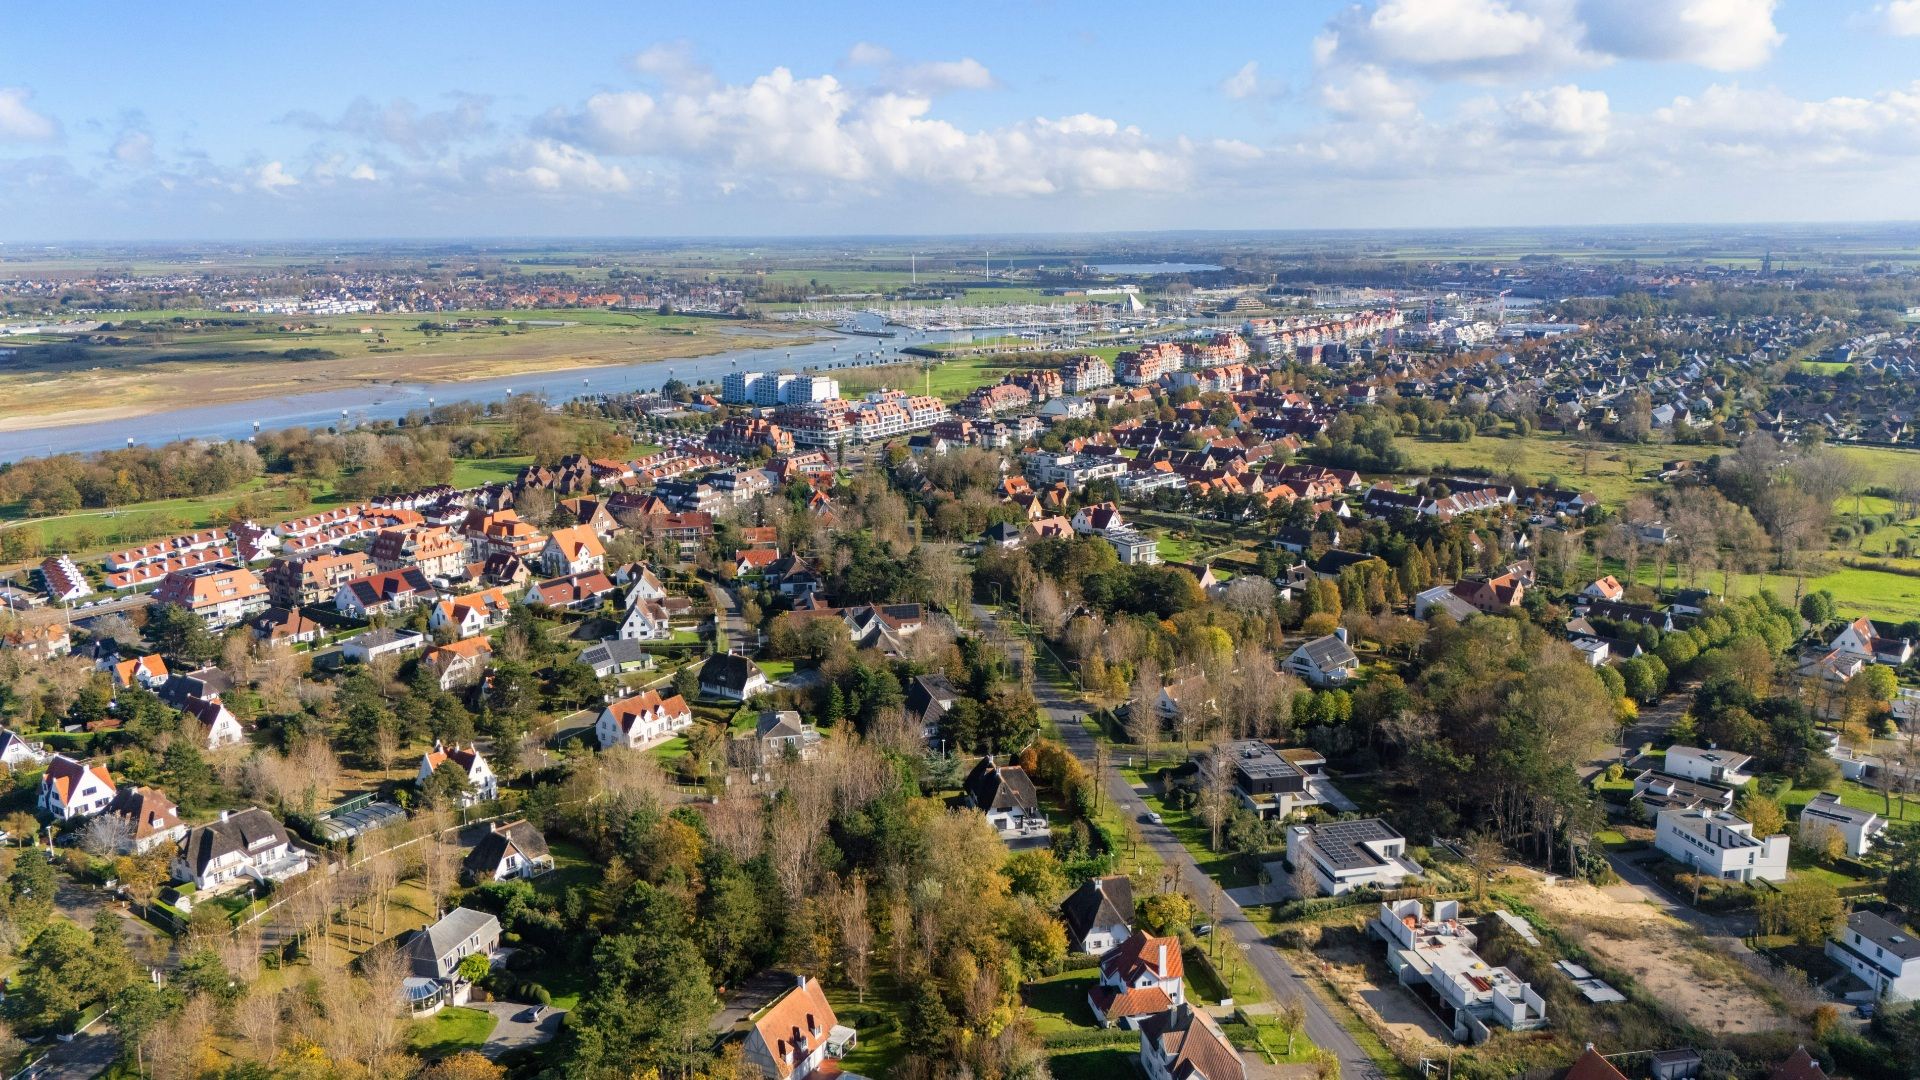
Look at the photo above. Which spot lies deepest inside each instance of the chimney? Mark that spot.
(1163, 958)
(223, 815)
(800, 981)
(1341, 633)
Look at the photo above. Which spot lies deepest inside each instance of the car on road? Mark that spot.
(1151, 818)
(1203, 929)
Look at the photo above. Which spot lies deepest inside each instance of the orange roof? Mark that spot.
(1143, 953)
(1592, 1066)
(1139, 1001)
(795, 1023)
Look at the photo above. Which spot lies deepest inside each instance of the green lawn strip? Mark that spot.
(1105, 1063)
(1192, 832)
(452, 1030)
(878, 1020)
(1058, 1003)
(1905, 809)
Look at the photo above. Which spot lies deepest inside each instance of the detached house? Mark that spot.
(1883, 954)
(1140, 977)
(434, 955)
(74, 789)
(383, 594)
(511, 849)
(1325, 661)
(1861, 638)
(482, 784)
(246, 844)
(222, 728)
(460, 663)
(146, 672)
(1826, 814)
(794, 1037)
(1099, 914)
(639, 721)
(1718, 843)
(731, 676)
(1184, 1043)
(1005, 793)
(1348, 855)
(573, 550)
(475, 613)
(152, 819)
(1712, 765)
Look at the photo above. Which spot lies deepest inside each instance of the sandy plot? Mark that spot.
(1699, 984)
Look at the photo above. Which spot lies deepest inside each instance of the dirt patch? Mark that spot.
(1679, 970)
(1351, 960)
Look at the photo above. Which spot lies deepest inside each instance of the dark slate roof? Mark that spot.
(1001, 787)
(486, 855)
(1328, 653)
(1101, 901)
(243, 830)
(728, 670)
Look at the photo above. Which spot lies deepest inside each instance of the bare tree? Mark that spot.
(1216, 791)
(258, 1020)
(1143, 711)
(856, 935)
(1484, 853)
(106, 834)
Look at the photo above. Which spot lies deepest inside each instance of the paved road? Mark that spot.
(726, 617)
(1281, 978)
(86, 1057)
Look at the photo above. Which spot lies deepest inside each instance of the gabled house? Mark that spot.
(242, 845)
(639, 721)
(578, 592)
(1184, 1043)
(646, 620)
(783, 734)
(221, 727)
(1099, 914)
(474, 613)
(146, 672)
(511, 849)
(1141, 977)
(731, 676)
(1005, 793)
(928, 699)
(459, 663)
(482, 784)
(151, 818)
(74, 789)
(434, 955)
(17, 753)
(1861, 638)
(794, 1037)
(1325, 661)
(285, 626)
(616, 656)
(386, 593)
(573, 550)
(64, 580)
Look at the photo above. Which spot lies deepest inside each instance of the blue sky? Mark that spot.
(480, 119)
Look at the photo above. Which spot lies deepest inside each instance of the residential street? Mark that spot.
(1282, 980)
(86, 1057)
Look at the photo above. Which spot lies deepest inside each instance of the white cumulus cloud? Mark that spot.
(1244, 83)
(20, 121)
(1898, 17)
(133, 147)
(554, 166)
(273, 176)
(1368, 93)
(1723, 35)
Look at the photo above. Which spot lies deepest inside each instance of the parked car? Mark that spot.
(1203, 929)
(1153, 817)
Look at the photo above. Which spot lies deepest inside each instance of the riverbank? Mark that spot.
(129, 383)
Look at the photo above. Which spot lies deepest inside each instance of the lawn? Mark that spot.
(1106, 1063)
(452, 1030)
(474, 472)
(1058, 1003)
(1613, 471)
(1265, 1039)
(878, 1020)
(571, 866)
(1906, 808)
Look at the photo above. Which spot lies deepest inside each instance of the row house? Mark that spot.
(165, 549)
(1041, 384)
(313, 524)
(149, 572)
(574, 592)
(293, 583)
(65, 583)
(221, 596)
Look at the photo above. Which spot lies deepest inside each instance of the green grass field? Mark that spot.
(452, 1030)
(1612, 471)
(1058, 1003)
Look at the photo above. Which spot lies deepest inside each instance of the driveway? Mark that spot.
(1282, 980)
(86, 1057)
(514, 1033)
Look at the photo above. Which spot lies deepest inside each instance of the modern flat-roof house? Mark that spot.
(1265, 781)
(1099, 914)
(1349, 855)
(1005, 793)
(243, 845)
(1882, 953)
(1325, 661)
(379, 642)
(1825, 814)
(792, 1038)
(1437, 955)
(72, 789)
(1713, 766)
(1133, 548)
(1716, 842)
(1658, 791)
(1184, 1043)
